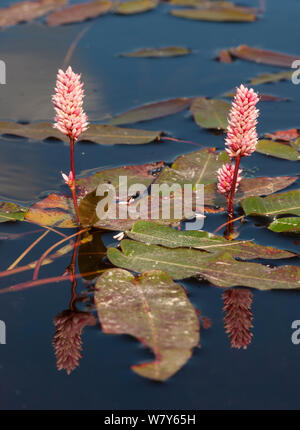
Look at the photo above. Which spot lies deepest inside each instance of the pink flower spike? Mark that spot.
(70, 118)
(241, 131)
(225, 178)
(69, 180)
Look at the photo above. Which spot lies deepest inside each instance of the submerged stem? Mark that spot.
(72, 272)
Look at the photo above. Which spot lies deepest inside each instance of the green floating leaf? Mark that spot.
(11, 212)
(221, 269)
(210, 113)
(285, 225)
(79, 12)
(198, 167)
(266, 78)
(217, 11)
(271, 58)
(168, 51)
(248, 187)
(278, 150)
(137, 174)
(152, 111)
(98, 133)
(277, 204)
(153, 309)
(135, 6)
(155, 234)
(109, 135)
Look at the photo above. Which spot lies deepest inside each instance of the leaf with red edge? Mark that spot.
(194, 168)
(261, 186)
(79, 12)
(54, 211)
(153, 309)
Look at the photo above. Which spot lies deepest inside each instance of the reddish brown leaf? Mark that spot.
(224, 56)
(272, 58)
(270, 98)
(27, 11)
(79, 12)
(285, 135)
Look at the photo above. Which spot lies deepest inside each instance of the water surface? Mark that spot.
(266, 375)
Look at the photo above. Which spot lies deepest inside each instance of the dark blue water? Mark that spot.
(266, 375)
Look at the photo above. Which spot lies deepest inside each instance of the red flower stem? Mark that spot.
(73, 186)
(228, 202)
(233, 186)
